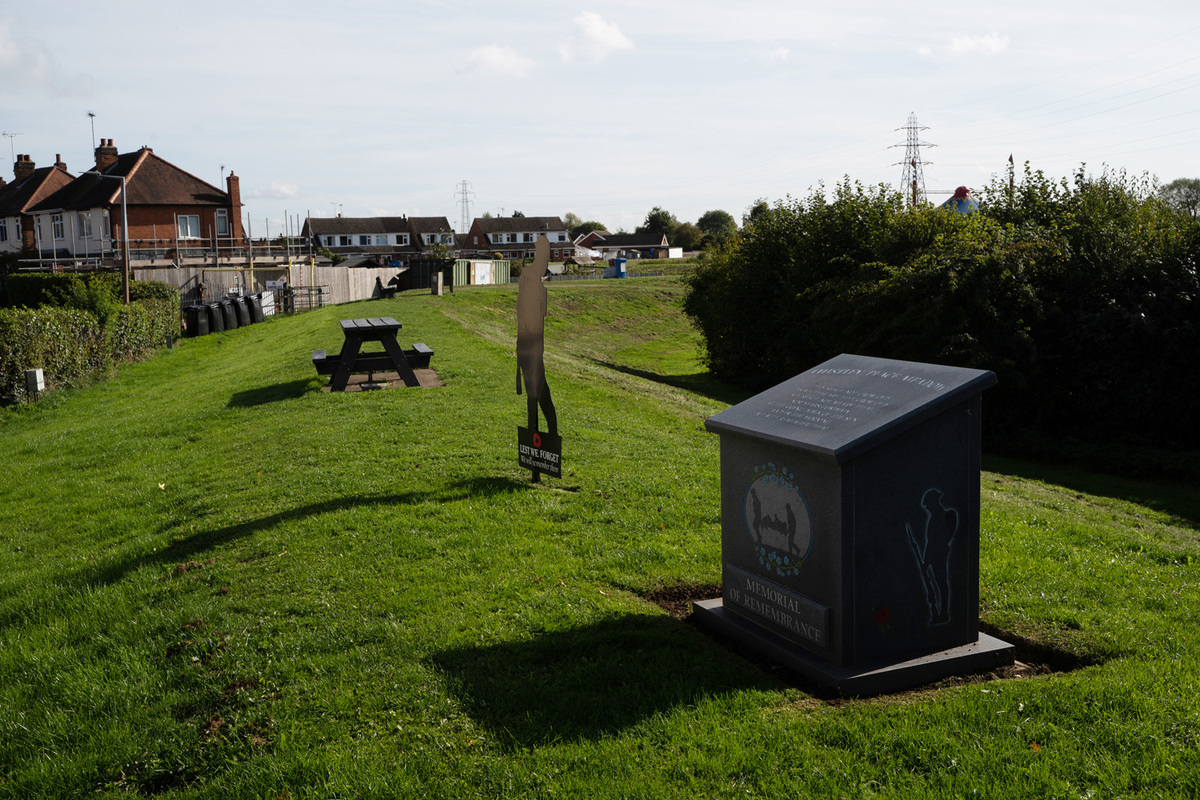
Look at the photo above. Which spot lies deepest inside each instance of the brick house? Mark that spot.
(169, 210)
(514, 237)
(29, 187)
(390, 240)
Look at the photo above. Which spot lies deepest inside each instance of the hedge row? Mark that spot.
(72, 344)
(1084, 298)
(67, 344)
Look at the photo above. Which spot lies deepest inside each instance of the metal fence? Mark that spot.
(295, 299)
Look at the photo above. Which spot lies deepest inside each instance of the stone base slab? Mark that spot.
(986, 654)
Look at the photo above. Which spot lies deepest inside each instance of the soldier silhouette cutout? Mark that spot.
(933, 555)
(531, 327)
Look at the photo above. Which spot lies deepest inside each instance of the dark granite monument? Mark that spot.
(850, 524)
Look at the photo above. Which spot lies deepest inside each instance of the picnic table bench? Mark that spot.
(351, 360)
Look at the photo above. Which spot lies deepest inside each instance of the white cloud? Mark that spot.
(988, 45)
(494, 58)
(594, 39)
(27, 63)
(779, 55)
(991, 44)
(276, 191)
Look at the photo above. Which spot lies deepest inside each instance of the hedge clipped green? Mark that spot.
(67, 344)
(140, 327)
(80, 329)
(146, 290)
(34, 289)
(1083, 297)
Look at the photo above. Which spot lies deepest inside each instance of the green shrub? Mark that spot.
(80, 329)
(145, 290)
(140, 327)
(35, 289)
(67, 344)
(1082, 297)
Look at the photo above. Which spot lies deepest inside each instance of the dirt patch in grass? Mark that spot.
(1032, 658)
(426, 378)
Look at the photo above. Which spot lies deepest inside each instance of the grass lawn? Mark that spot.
(217, 580)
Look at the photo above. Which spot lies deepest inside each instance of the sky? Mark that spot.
(603, 109)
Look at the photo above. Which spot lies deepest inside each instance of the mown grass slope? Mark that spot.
(217, 580)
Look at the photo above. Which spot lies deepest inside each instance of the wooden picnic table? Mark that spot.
(352, 360)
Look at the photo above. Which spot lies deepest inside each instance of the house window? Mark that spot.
(56, 222)
(474, 240)
(562, 237)
(364, 241)
(402, 239)
(497, 238)
(447, 238)
(381, 239)
(512, 238)
(528, 237)
(3, 230)
(189, 226)
(85, 224)
(344, 241)
(222, 222)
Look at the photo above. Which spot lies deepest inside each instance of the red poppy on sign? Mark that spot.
(882, 616)
(537, 440)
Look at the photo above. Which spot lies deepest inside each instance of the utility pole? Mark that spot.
(92, 119)
(464, 195)
(914, 176)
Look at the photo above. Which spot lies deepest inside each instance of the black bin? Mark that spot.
(254, 301)
(242, 310)
(197, 321)
(230, 314)
(216, 319)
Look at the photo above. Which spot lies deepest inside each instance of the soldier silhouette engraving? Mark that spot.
(758, 517)
(531, 326)
(933, 554)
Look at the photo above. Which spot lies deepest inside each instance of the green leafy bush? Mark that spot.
(34, 289)
(77, 328)
(68, 344)
(1082, 297)
(145, 290)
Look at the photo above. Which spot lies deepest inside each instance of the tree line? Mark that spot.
(710, 230)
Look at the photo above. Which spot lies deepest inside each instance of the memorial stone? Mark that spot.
(850, 524)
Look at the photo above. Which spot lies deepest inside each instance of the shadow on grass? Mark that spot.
(589, 682)
(1177, 500)
(187, 548)
(701, 383)
(270, 394)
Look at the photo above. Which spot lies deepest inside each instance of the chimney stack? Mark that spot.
(233, 186)
(106, 155)
(23, 168)
(58, 162)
